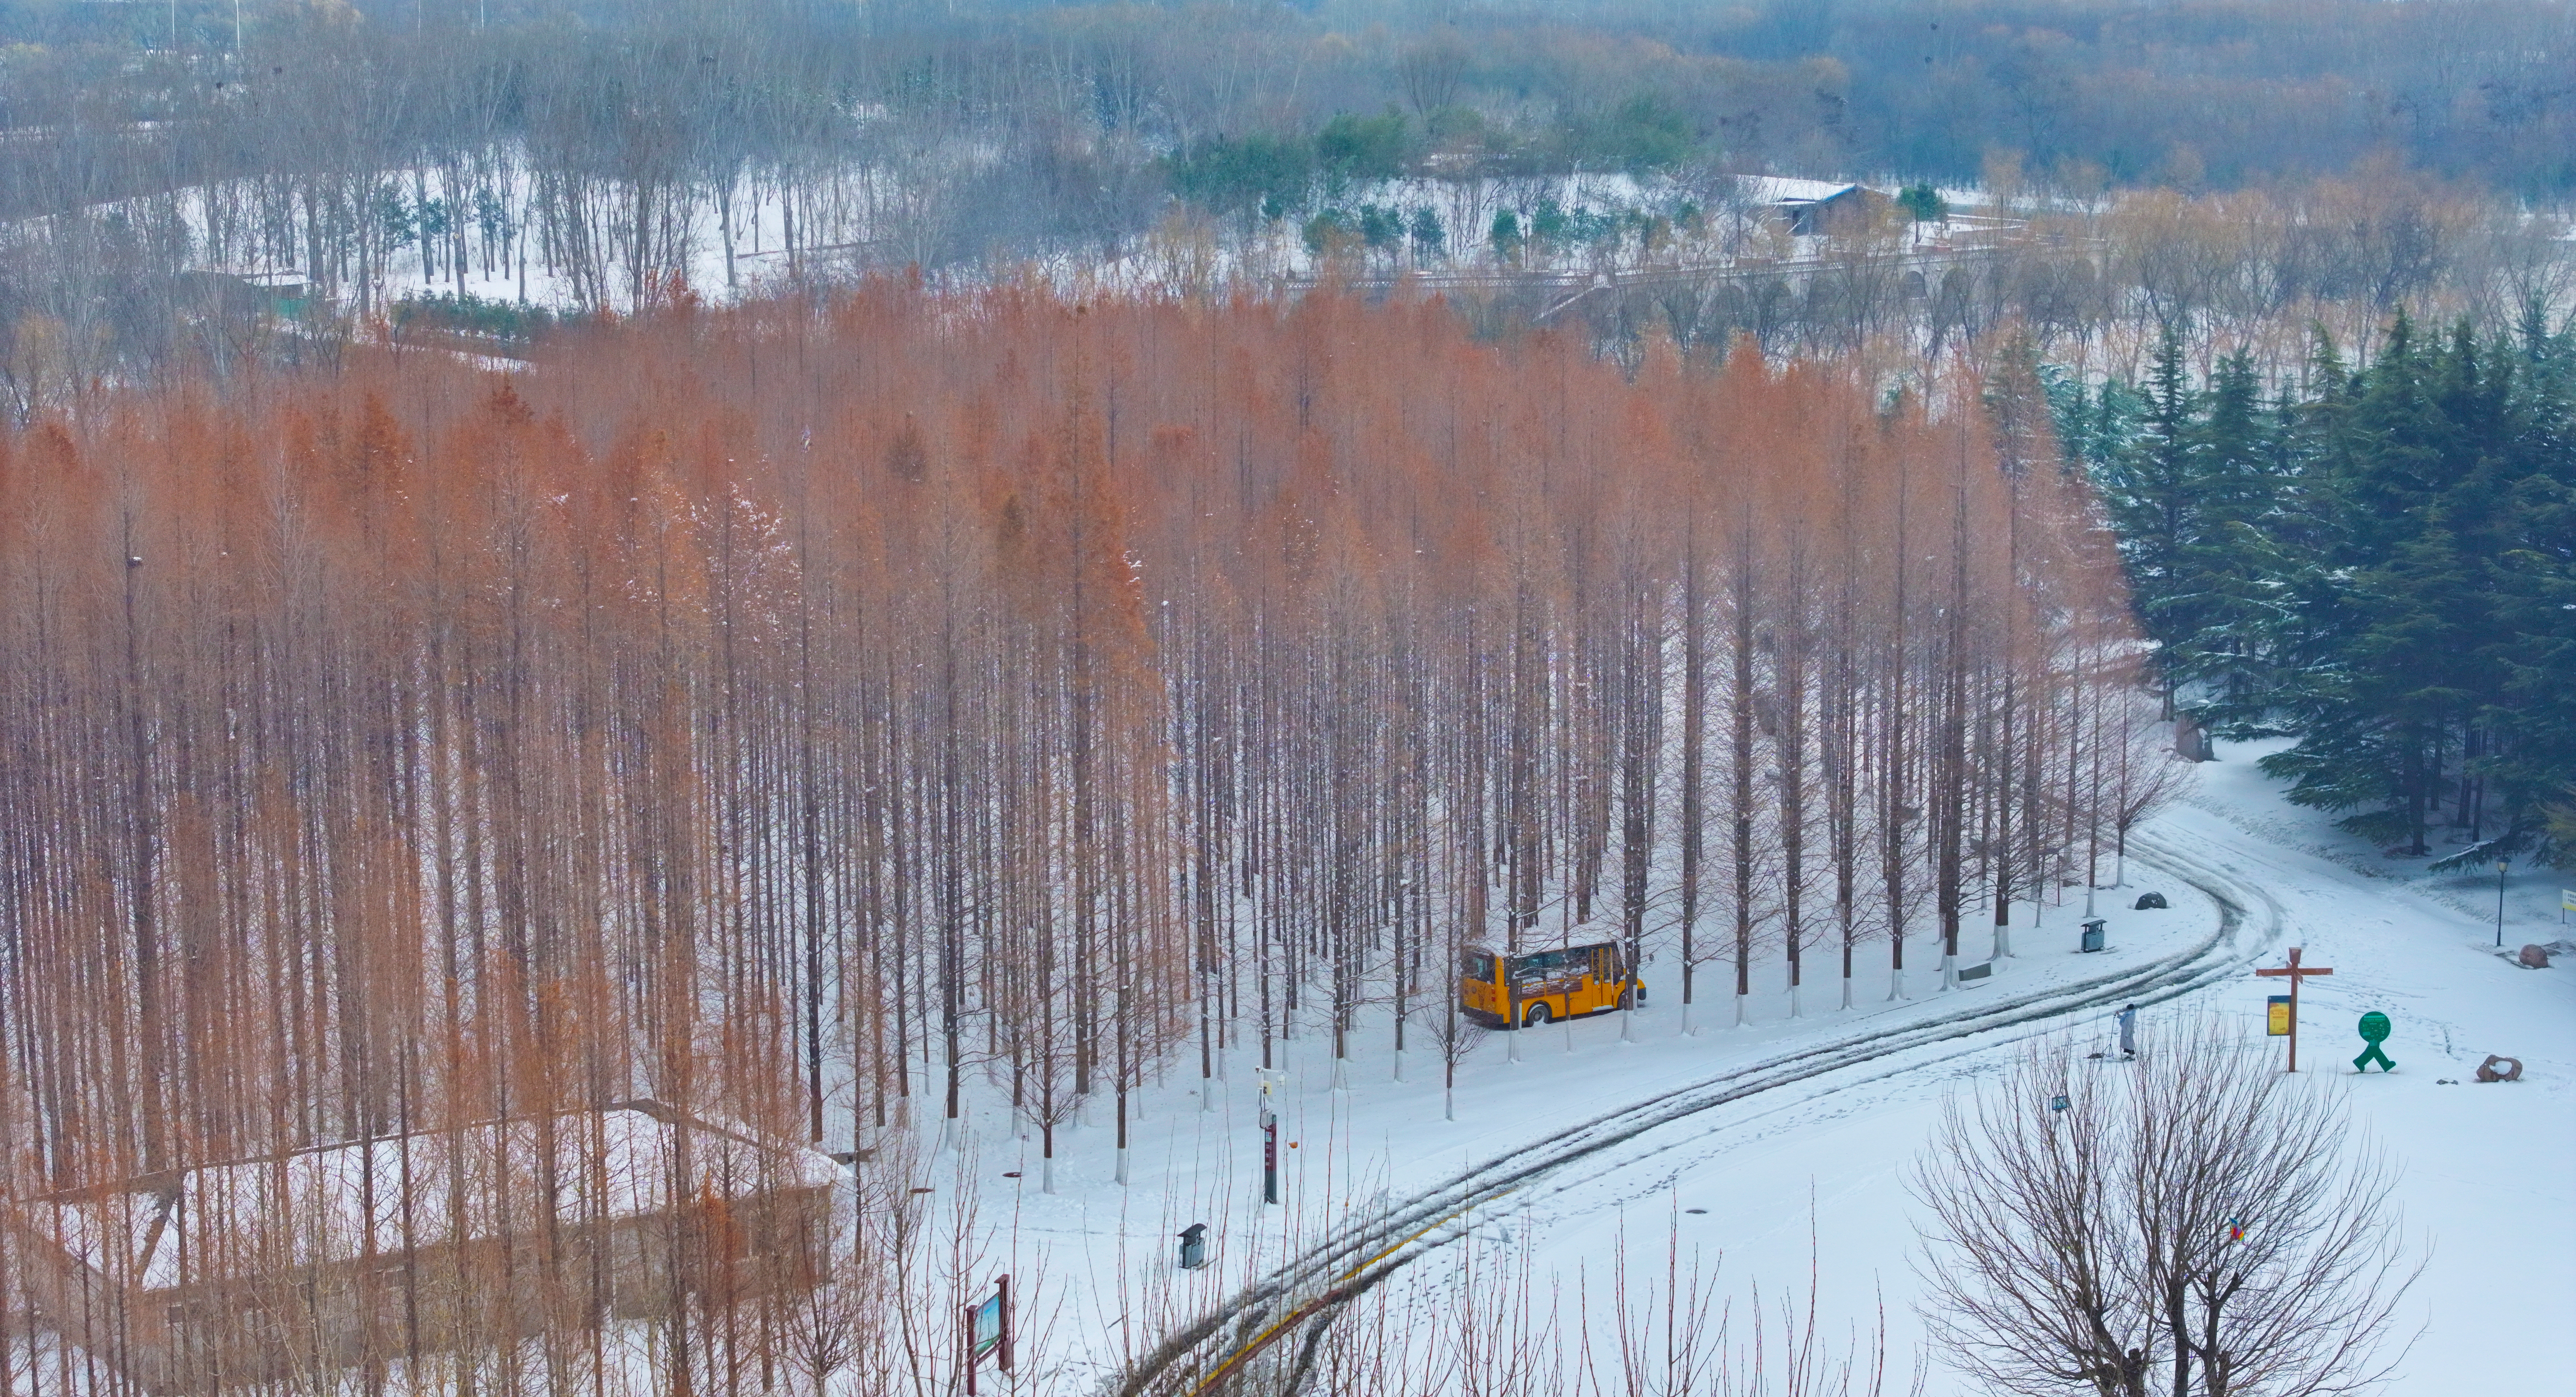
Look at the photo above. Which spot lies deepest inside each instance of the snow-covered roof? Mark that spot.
(341, 1202)
(1779, 189)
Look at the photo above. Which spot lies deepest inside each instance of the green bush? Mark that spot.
(1641, 135)
(1229, 175)
(1924, 203)
(1430, 236)
(1326, 232)
(1355, 149)
(473, 315)
(1380, 226)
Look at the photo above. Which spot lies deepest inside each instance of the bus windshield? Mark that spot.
(1477, 965)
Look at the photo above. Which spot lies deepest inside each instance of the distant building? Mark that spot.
(1814, 207)
(260, 293)
(263, 1270)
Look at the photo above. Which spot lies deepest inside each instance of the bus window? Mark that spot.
(1477, 966)
(1558, 970)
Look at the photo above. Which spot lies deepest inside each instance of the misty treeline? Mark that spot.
(587, 158)
(2095, 285)
(2083, 91)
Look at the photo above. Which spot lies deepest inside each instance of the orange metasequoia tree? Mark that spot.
(819, 718)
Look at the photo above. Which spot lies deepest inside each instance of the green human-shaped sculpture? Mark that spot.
(2374, 1031)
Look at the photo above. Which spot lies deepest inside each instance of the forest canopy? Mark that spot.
(827, 714)
(986, 618)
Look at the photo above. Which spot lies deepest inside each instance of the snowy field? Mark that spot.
(1805, 1180)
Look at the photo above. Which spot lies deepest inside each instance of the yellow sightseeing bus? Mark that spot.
(1507, 991)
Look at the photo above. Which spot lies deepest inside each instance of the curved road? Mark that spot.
(1262, 1337)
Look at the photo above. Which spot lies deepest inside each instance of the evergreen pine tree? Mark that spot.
(2403, 677)
(2383, 566)
(2150, 488)
(2530, 756)
(2227, 564)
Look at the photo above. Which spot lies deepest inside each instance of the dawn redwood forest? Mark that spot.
(629, 630)
(841, 716)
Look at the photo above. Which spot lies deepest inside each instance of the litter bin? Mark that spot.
(2093, 933)
(1194, 1246)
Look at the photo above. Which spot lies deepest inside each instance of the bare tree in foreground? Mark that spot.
(1484, 1321)
(2193, 1223)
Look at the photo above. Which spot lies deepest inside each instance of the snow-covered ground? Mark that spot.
(1808, 1177)
(2488, 1172)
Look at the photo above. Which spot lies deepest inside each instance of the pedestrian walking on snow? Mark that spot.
(2129, 1030)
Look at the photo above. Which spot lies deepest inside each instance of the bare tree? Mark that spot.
(2146, 775)
(1453, 1035)
(982, 737)
(2203, 1227)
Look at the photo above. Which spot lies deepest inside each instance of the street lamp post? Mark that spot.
(2501, 866)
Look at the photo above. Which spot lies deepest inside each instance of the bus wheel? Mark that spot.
(1628, 998)
(1536, 1015)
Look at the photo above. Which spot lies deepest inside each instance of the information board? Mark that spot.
(988, 1328)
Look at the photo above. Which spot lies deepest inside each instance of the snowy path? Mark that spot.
(1798, 1158)
(1634, 1151)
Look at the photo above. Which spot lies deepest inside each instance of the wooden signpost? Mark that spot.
(2296, 972)
(988, 1332)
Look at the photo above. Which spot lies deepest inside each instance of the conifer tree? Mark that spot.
(2381, 727)
(2396, 592)
(2228, 562)
(2153, 487)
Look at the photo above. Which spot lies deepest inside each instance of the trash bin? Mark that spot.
(1194, 1246)
(2093, 933)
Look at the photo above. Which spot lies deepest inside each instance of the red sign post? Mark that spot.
(2296, 972)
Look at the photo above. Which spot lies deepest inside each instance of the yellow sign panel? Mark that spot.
(2277, 1020)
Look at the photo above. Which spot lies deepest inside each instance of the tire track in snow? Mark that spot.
(1305, 1293)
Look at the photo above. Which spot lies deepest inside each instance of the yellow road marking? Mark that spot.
(1266, 1335)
